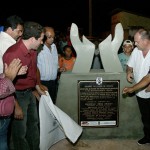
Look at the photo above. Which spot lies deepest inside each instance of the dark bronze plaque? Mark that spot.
(98, 103)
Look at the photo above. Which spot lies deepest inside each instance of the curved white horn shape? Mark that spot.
(109, 51)
(84, 50)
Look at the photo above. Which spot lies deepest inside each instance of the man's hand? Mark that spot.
(23, 70)
(130, 77)
(147, 89)
(14, 68)
(41, 89)
(127, 90)
(36, 94)
(18, 113)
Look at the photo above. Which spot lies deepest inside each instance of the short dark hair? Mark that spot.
(13, 22)
(32, 29)
(67, 46)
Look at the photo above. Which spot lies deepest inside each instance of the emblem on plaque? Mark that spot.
(99, 80)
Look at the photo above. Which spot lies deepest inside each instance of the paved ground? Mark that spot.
(103, 144)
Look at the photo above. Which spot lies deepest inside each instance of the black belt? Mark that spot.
(48, 80)
(4, 117)
(26, 90)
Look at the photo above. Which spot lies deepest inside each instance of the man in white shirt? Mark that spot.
(47, 63)
(13, 29)
(138, 66)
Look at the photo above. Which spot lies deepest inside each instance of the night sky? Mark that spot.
(60, 14)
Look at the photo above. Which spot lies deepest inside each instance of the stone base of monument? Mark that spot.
(95, 101)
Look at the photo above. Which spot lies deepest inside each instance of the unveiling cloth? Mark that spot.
(55, 124)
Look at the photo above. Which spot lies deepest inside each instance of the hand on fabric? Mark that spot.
(41, 89)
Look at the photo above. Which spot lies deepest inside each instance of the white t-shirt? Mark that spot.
(140, 67)
(5, 42)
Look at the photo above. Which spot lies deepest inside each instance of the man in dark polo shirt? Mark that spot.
(25, 132)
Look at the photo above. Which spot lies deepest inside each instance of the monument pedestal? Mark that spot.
(129, 118)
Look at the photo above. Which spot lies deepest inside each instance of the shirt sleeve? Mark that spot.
(6, 86)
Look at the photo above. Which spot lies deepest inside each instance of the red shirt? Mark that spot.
(28, 58)
(6, 98)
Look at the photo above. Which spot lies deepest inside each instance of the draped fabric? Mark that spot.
(55, 124)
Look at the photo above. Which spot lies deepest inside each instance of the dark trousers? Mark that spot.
(52, 88)
(25, 132)
(144, 106)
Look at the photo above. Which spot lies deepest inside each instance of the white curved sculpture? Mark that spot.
(84, 50)
(109, 51)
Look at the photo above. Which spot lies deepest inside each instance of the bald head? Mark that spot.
(48, 31)
(50, 35)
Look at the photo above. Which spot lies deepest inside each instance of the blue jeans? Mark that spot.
(4, 123)
(25, 132)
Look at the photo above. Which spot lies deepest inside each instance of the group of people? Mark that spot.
(25, 74)
(20, 40)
